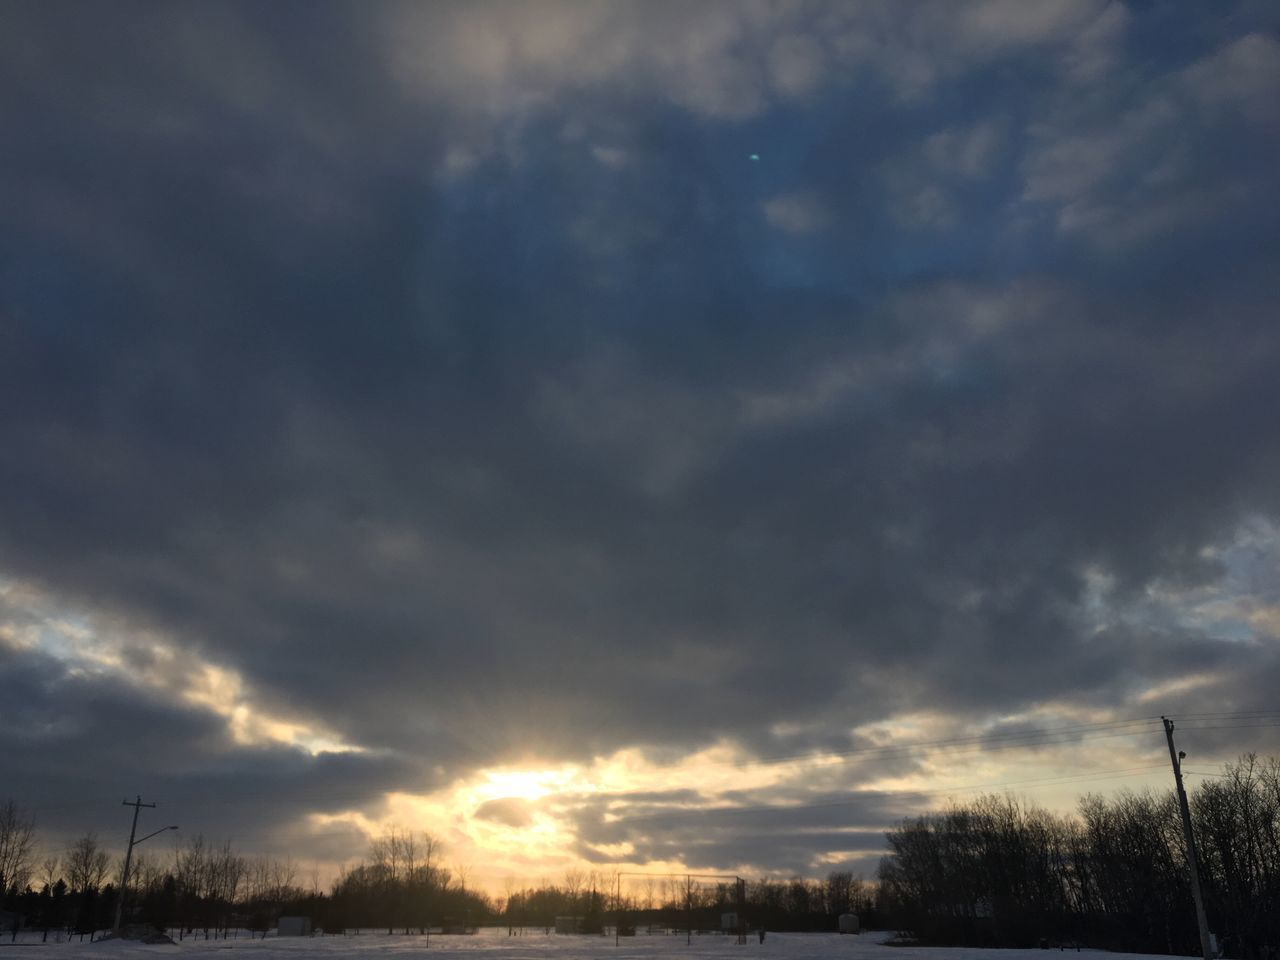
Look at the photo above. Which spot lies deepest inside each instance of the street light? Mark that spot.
(153, 833)
(128, 858)
(124, 881)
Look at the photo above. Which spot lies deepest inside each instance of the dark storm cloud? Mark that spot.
(486, 404)
(764, 830)
(73, 741)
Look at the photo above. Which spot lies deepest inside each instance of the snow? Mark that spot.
(494, 944)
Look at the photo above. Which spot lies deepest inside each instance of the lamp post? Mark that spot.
(128, 858)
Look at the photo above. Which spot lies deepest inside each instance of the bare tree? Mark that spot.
(509, 888)
(87, 864)
(228, 874)
(838, 892)
(189, 865)
(284, 873)
(17, 847)
(259, 877)
(427, 883)
(573, 883)
(190, 856)
(50, 871)
(409, 854)
(409, 870)
(145, 874)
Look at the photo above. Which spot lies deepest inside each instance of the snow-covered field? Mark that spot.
(494, 944)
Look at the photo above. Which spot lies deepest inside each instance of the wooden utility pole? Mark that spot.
(688, 910)
(1192, 860)
(137, 805)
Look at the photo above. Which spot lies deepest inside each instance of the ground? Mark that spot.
(494, 944)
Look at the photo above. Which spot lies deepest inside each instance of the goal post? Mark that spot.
(674, 903)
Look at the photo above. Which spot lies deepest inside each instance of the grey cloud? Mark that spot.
(795, 213)
(765, 838)
(511, 811)
(1141, 164)
(427, 460)
(75, 744)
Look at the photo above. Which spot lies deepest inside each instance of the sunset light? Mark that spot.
(637, 470)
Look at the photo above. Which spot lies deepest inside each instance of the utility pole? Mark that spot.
(1192, 860)
(688, 907)
(137, 805)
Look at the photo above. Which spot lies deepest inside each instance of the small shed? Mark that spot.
(457, 927)
(849, 923)
(729, 922)
(293, 927)
(568, 924)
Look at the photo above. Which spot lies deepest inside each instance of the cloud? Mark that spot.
(514, 59)
(610, 156)
(1144, 168)
(81, 739)
(965, 152)
(927, 181)
(795, 213)
(725, 61)
(1243, 75)
(465, 399)
(796, 64)
(1098, 47)
(747, 839)
(511, 811)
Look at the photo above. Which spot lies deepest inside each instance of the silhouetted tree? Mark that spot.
(17, 848)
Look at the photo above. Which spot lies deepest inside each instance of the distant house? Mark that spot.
(293, 927)
(569, 924)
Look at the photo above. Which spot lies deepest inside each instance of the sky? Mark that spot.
(644, 436)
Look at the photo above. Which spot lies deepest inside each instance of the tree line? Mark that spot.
(995, 871)
(201, 887)
(998, 871)
(605, 899)
(208, 889)
(403, 886)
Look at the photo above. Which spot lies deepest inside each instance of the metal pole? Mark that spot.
(688, 911)
(1192, 859)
